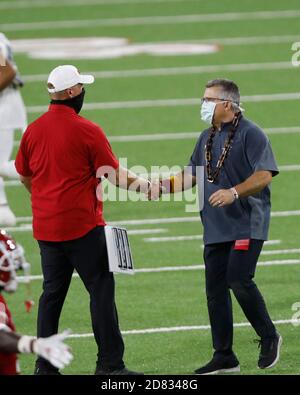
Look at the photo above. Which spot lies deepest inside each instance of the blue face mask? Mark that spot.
(207, 111)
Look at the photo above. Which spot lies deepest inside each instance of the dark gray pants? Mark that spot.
(227, 268)
(88, 255)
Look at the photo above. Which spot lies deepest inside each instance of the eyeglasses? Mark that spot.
(207, 99)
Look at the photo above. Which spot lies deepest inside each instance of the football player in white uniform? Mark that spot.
(13, 117)
(53, 348)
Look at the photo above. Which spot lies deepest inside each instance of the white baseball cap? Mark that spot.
(66, 76)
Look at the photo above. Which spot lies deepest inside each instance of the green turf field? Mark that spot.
(170, 299)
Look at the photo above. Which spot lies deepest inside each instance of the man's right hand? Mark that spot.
(155, 190)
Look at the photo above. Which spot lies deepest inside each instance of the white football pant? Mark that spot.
(13, 117)
(7, 167)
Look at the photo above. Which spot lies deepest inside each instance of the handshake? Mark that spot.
(155, 189)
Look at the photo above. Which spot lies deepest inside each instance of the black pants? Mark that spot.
(227, 268)
(88, 255)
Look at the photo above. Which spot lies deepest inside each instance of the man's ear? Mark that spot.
(70, 92)
(227, 105)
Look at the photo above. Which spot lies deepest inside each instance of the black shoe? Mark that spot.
(46, 370)
(124, 372)
(269, 351)
(220, 364)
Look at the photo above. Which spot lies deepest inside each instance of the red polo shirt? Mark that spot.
(62, 151)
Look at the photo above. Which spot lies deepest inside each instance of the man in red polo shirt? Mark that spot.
(59, 156)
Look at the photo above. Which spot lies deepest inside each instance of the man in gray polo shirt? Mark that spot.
(239, 166)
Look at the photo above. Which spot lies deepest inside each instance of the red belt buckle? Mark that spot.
(242, 245)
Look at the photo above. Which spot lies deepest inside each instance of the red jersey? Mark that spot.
(61, 152)
(8, 362)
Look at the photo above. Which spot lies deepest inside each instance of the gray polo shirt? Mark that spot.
(247, 217)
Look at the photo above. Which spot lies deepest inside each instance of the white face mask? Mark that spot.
(207, 111)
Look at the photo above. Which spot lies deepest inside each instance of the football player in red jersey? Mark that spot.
(52, 348)
(8, 362)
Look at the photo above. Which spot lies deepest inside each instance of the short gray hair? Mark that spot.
(229, 89)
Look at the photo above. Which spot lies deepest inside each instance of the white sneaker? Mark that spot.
(7, 217)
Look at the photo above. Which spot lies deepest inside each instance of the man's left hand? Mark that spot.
(221, 198)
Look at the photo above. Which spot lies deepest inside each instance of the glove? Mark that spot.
(51, 348)
(11, 286)
(54, 350)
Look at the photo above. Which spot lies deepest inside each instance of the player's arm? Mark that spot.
(179, 182)
(255, 183)
(26, 181)
(252, 185)
(9, 342)
(7, 75)
(51, 348)
(126, 179)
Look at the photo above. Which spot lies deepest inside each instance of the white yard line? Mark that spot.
(171, 102)
(171, 220)
(8, 5)
(190, 238)
(283, 130)
(13, 183)
(21, 228)
(176, 70)
(278, 262)
(254, 40)
(289, 168)
(281, 252)
(182, 329)
(132, 232)
(282, 168)
(153, 221)
(16, 183)
(172, 238)
(272, 242)
(151, 20)
(187, 135)
(24, 219)
(146, 231)
(167, 174)
(285, 213)
(183, 136)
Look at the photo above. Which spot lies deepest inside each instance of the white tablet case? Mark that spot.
(118, 250)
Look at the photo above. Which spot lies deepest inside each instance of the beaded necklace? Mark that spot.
(213, 174)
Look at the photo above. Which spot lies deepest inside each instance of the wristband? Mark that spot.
(234, 193)
(172, 182)
(26, 344)
(167, 185)
(5, 328)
